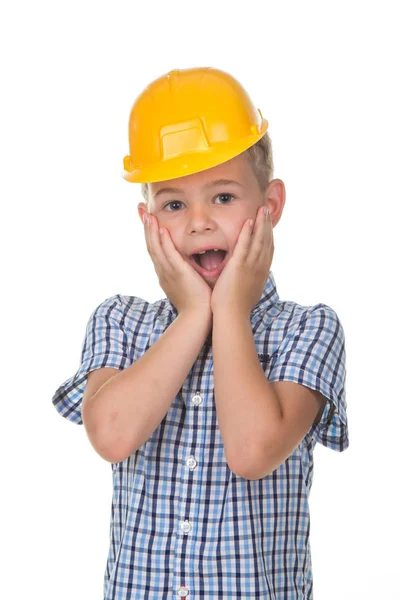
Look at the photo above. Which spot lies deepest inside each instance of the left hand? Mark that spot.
(241, 283)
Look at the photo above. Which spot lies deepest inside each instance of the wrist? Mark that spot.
(197, 315)
(231, 312)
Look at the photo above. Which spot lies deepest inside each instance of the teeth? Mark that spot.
(204, 251)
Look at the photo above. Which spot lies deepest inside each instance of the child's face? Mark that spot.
(199, 212)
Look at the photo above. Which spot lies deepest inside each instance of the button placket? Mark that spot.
(191, 463)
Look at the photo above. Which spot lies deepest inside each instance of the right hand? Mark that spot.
(184, 287)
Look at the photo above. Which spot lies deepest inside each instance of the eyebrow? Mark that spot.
(206, 187)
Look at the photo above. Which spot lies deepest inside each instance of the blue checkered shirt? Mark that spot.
(182, 524)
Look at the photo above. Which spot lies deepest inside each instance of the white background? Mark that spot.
(326, 76)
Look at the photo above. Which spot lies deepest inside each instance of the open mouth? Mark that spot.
(220, 254)
(210, 262)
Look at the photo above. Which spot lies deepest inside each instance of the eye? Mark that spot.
(230, 196)
(172, 202)
(221, 195)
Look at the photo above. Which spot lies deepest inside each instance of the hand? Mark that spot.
(242, 281)
(184, 287)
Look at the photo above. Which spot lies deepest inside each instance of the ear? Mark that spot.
(275, 197)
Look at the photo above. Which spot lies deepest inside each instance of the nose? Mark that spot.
(200, 219)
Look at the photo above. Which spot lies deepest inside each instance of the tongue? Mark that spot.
(211, 259)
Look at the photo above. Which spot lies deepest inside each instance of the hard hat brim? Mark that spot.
(187, 164)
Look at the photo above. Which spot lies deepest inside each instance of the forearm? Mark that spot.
(247, 408)
(130, 406)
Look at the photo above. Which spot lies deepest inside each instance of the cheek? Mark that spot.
(234, 235)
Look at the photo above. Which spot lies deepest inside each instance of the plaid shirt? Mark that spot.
(182, 524)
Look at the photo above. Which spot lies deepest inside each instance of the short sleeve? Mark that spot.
(105, 345)
(315, 356)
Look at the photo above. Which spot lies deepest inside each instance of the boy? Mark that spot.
(209, 402)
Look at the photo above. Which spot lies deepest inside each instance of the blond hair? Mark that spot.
(261, 161)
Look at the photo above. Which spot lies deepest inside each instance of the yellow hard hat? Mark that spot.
(189, 120)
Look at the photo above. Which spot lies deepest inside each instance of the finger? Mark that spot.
(250, 242)
(168, 256)
(156, 251)
(172, 256)
(261, 234)
(267, 247)
(268, 222)
(146, 233)
(243, 243)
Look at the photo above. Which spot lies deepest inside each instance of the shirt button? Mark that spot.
(191, 462)
(197, 399)
(186, 526)
(183, 591)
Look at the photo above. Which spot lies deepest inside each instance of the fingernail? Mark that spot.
(266, 211)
